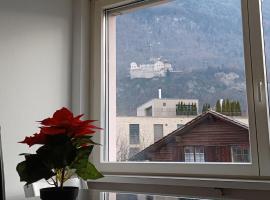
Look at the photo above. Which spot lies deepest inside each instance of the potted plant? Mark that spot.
(66, 143)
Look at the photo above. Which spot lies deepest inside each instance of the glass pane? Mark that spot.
(158, 132)
(129, 196)
(178, 65)
(266, 27)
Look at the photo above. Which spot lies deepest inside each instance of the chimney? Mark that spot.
(159, 93)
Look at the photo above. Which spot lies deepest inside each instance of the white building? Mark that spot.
(164, 107)
(157, 69)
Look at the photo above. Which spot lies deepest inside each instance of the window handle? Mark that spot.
(260, 88)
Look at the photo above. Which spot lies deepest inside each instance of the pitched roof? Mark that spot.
(184, 129)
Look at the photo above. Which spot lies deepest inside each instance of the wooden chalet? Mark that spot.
(210, 137)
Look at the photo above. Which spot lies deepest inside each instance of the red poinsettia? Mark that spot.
(62, 122)
(66, 143)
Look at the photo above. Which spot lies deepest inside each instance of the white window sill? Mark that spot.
(216, 183)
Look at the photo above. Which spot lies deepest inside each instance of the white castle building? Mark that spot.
(157, 69)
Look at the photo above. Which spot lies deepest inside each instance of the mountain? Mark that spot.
(202, 38)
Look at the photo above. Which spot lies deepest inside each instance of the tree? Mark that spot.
(178, 108)
(218, 106)
(238, 108)
(227, 107)
(233, 108)
(206, 107)
(223, 107)
(194, 109)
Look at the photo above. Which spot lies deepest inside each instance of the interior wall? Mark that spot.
(35, 73)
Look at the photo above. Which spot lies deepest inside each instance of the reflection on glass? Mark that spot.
(126, 196)
(177, 84)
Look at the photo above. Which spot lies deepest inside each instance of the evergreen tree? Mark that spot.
(232, 108)
(181, 108)
(203, 108)
(223, 107)
(206, 107)
(227, 107)
(238, 109)
(194, 109)
(178, 108)
(218, 106)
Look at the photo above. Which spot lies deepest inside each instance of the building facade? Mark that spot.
(162, 107)
(156, 69)
(210, 137)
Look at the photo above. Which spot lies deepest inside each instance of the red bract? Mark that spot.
(62, 122)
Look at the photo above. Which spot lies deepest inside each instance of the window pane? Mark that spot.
(266, 27)
(134, 133)
(158, 132)
(179, 63)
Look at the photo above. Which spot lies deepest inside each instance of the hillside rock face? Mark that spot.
(201, 38)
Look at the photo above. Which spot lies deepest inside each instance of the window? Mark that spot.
(147, 46)
(266, 21)
(169, 60)
(134, 134)
(189, 154)
(240, 154)
(158, 132)
(148, 111)
(198, 156)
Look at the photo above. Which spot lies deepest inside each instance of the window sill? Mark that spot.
(214, 183)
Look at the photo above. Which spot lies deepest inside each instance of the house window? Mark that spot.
(160, 48)
(199, 154)
(240, 154)
(158, 132)
(194, 154)
(189, 154)
(134, 134)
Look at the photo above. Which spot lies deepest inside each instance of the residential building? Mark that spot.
(226, 141)
(163, 107)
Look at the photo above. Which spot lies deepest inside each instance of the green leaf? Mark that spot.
(59, 153)
(84, 140)
(33, 169)
(86, 170)
(83, 152)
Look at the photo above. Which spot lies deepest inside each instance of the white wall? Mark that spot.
(35, 72)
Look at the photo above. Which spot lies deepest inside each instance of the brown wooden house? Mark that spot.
(210, 137)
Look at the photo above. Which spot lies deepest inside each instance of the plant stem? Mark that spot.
(55, 183)
(62, 177)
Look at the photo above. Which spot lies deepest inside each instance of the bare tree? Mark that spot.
(122, 148)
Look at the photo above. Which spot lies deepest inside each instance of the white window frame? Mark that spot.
(234, 154)
(256, 92)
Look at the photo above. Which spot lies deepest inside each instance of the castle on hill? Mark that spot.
(157, 69)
